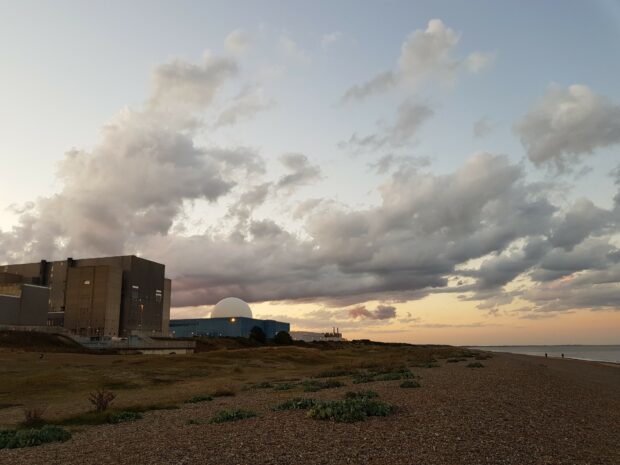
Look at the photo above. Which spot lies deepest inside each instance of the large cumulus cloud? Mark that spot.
(568, 123)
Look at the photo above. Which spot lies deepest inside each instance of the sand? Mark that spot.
(516, 410)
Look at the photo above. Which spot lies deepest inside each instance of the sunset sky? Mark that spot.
(436, 172)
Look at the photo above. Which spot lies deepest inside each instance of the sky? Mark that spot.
(431, 172)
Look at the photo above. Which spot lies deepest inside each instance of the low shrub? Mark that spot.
(297, 403)
(362, 378)
(410, 383)
(335, 373)
(475, 365)
(456, 360)
(314, 385)
(120, 417)
(231, 415)
(198, 399)
(382, 375)
(101, 399)
(13, 439)
(350, 410)
(283, 338)
(361, 395)
(428, 365)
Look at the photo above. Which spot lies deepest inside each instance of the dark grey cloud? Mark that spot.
(567, 124)
(382, 312)
(300, 171)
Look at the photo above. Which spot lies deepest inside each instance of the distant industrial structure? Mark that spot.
(95, 297)
(231, 317)
(308, 336)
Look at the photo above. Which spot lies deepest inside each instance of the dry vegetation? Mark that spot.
(62, 382)
(329, 403)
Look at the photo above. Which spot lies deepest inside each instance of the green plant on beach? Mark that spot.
(456, 360)
(361, 395)
(296, 403)
(314, 385)
(475, 365)
(231, 415)
(13, 439)
(410, 383)
(350, 410)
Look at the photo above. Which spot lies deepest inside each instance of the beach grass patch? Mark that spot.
(456, 360)
(224, 416)
(410, 383)
(350, 410)
(361, 395)
(14, 439)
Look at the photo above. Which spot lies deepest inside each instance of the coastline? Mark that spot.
(515, 409)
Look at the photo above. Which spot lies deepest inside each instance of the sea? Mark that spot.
(599, 353)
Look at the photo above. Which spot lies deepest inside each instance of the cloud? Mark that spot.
(237, 42)
(330, 38)
(292, 51)
(426, 55)
(300, 170)
(382, 312)
(183, 86)
(568, 124)
(409, 118)
(244, 106)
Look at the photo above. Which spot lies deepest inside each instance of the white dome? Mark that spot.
(231, 307)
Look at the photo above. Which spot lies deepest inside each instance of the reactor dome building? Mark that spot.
(230, 317)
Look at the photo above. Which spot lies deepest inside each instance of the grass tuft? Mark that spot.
(410, 383)
(224, 416)
(314, 385)
(297, 403)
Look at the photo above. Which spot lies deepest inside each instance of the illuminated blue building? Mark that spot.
(231, 317)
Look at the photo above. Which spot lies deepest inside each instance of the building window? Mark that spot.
(158, 296)
(135, 293)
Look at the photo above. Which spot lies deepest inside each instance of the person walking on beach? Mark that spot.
(562, 355)
(545, 354)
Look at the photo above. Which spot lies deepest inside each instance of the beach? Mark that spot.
(516, 409)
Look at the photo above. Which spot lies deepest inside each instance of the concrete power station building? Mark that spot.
(231, 317)
(111, 296)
